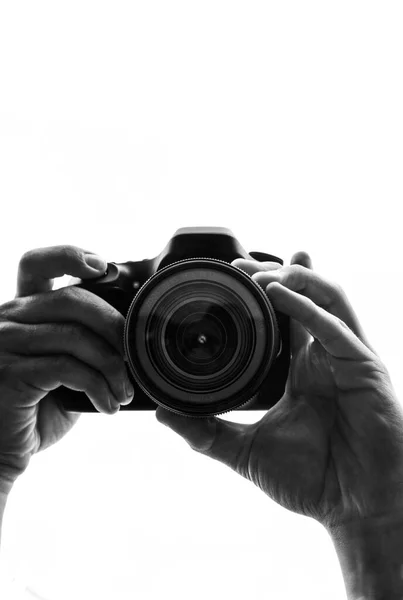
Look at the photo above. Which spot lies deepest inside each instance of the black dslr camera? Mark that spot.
(201, 337)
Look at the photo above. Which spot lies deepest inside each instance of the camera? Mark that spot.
(201, 337)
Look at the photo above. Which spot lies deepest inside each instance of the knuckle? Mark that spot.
(338, 289)
(71, 253)
(8, 308)
(295, 268)
(295, 272)
(293, 275)
(27, 258)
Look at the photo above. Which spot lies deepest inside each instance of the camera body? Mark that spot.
(122, 282)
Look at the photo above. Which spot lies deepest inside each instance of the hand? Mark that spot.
(332, 447)
(67, 337)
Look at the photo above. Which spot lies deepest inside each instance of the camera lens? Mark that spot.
(200, 337)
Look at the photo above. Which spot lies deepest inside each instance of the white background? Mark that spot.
(121, 122)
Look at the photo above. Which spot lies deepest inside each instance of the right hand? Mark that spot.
(332, 447)
(67, 337)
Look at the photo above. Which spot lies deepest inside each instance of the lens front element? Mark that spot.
(200, 337)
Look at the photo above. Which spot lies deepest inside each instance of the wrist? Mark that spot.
(370, 552)
(6, 483)
(9, 473)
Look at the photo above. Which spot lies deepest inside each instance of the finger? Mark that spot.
(302, 258)
(42, 374)
(38, 268)
(222, 440)
(70, 305)
(253, 266)
(324, 293)
(330, 331)
(299, 336)
(72, 339)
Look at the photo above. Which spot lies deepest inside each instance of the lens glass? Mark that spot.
(200, 337)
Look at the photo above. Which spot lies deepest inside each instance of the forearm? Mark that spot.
(371, 558)
(5, 488)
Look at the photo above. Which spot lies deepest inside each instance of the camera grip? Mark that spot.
(114, 289)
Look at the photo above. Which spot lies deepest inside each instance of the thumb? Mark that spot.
(224, 441)
(39, 267)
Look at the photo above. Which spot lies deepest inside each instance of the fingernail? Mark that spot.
(96, 262)
(114, 406)
(129, 393)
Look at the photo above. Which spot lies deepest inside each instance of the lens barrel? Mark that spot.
(200, 337)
